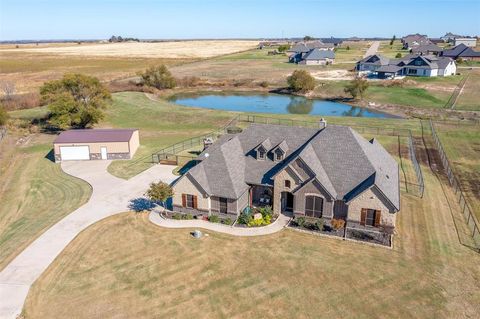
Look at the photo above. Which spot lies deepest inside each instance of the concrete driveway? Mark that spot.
(110, 195)
(372, 49)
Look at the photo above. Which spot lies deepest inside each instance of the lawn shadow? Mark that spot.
(140, 204)
(50, 156)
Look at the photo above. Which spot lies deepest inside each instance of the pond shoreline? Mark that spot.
(275, 102)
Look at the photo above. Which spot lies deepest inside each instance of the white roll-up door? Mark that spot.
(74, 153)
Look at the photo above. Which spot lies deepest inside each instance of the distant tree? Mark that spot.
(307, 38)
(159, 192)
(356, 88)
(283, 48)
(158, 77)
(113, 39)
(348, 47)
(76, 100)
(393, 39)
(398, 55)
(119, 39)
(301, 81)
(3, 116)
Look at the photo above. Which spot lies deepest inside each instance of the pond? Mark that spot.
(273, 103)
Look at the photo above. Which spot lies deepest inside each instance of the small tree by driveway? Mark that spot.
(159, 192)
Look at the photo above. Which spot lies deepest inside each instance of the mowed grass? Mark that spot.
(391, 51)
(469, 98)
(126, 267)
(34, 192)
(462, 145)
(409, 96)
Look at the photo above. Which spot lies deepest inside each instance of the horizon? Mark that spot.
(50, 20)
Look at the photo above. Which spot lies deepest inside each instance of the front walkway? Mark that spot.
(110, 196)
(274, 227)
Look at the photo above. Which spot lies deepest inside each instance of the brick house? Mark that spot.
(329, 172)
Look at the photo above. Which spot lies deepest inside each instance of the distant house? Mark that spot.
(413, 40)
(411, 65)
(469, 42)
(335, 41)
(450, 37)
(318, 57)
(312, 53)
(461, 51)
(426, 49)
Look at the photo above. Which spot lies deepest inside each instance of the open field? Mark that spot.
(34, 192)
(392, 50)
(469, 99)
(167, 49)
(462, 145)
(127, 267)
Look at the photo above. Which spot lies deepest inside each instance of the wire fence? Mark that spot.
(170, 154)
(467, 211)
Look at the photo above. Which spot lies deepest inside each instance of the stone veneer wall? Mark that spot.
(371, 199)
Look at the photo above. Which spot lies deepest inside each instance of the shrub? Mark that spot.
(256, 222)
(227, 221)
(348, 47)
(234, 130)
(337, 223)
(177, 216)
(213, 219)
(300, 221)
(158, 77)
(283, 48)
(356, 87)
(245, 218)
(398, 55)
(301, 81)
(3, 116)
(188, 216)
(265, 211)
(264, 84)
(189, 81)
(319, 224)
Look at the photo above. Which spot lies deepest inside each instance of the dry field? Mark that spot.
(170, 49)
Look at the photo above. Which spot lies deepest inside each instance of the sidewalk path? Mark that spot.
(372, 49)
(274, 227)
(110, 195)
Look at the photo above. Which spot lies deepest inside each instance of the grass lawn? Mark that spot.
(35, 193)
(391, 51)
(126, 267)
(462, 145)
(469, 97)
(410, 96)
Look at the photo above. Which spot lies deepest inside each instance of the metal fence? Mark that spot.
(467, 211)
(416, 166)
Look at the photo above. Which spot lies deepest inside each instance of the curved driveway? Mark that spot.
(110, 195)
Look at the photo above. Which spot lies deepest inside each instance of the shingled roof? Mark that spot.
(342, 161)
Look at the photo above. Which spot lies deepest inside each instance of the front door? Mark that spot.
(287, 202)
(103, 150)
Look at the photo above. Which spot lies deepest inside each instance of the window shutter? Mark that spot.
(363, 216)
(195, 202)
(184, 200)
(377, 218)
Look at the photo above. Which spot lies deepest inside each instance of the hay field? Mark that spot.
(171, 49)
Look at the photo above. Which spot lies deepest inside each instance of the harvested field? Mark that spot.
(172, 50)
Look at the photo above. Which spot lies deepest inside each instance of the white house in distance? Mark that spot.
(411, 65)
(469, 42)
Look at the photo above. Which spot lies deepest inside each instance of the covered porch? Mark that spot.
(261, 195)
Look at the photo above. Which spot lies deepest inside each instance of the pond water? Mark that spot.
(273, 103)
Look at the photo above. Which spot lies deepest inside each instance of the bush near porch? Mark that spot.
(247, 216)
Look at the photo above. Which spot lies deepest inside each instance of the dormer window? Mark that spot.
(279, 151)
(261, 153)
(278, 155)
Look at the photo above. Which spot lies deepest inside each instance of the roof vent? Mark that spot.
(323, 123)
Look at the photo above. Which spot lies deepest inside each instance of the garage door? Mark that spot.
(74, 153)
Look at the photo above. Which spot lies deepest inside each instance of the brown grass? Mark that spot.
(125, 267)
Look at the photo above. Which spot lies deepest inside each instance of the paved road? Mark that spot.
(274, 227)
(110, 195)
(372, 49)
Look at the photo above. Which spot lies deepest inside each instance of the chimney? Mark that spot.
(323, 123)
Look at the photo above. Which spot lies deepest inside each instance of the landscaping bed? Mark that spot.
(189, 216)
(256, 217)
(371, 237)
(318, 225)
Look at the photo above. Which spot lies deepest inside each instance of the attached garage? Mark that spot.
(99, 144)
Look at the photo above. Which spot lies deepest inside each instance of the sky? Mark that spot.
(189, 19)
